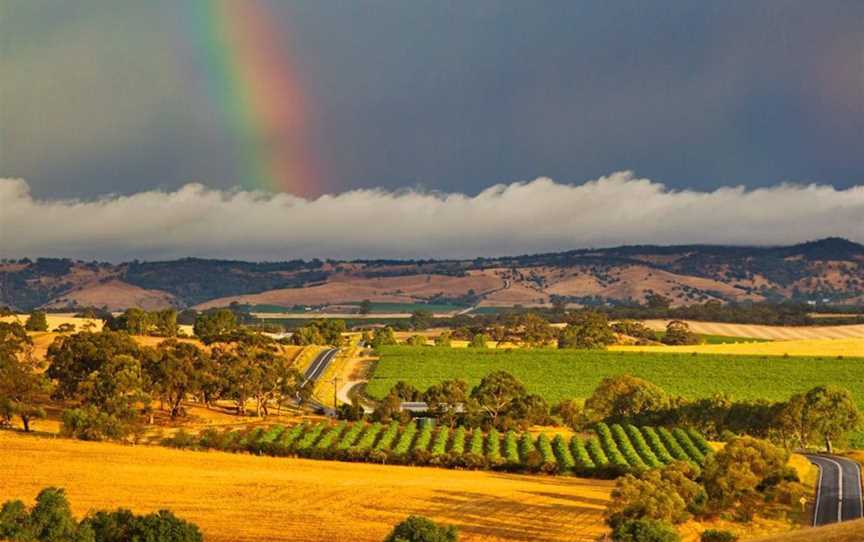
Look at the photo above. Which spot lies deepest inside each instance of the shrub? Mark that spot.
(122, 526)
(644, 530)
(89, 423)
(420, 529)
(716, 535)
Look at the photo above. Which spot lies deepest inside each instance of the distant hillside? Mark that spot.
(826, 271)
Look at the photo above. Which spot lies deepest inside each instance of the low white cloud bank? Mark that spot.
(505, 219)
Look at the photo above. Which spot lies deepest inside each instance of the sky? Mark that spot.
(281, 103)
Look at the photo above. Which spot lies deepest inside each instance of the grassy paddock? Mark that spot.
(560, 374)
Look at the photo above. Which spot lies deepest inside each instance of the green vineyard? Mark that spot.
(611, 451)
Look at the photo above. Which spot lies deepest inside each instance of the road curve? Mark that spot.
(838, 494)
(319, 365)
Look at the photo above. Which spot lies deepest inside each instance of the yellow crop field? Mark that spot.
(777, 333)
(806, 347)
(235, 497)
(56, 320)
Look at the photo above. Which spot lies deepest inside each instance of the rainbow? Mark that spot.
(252, 80)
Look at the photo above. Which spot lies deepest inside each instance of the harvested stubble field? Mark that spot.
(563, 374)
(775, 333)
(236, 497)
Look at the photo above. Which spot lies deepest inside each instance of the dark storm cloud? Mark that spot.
(109, 97)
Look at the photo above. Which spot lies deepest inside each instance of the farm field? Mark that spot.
(560, 374)
(777, 333)
(239, 497)
(805, 347)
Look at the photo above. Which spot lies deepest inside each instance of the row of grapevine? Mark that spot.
(580, 454)
(388, 438)
(493, 446)
(511, 447)
(642, 447)
(439, 445)
(612, 450)
(616, 458)
(656, 445)
(367, 439)
(563, 454)
(457, 447)
(627, 448)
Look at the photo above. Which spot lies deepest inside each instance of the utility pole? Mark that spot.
(336, 380)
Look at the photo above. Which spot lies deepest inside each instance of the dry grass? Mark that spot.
(55, 320)
(247, 498)
(850, 531)
(805, 347)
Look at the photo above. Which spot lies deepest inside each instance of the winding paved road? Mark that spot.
(838, 495)
(320, 364)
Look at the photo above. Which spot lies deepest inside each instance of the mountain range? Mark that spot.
(825, 271)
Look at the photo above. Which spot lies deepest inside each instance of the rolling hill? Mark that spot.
(829, 270)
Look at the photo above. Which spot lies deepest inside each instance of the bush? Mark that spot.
(420, 529)
(715, 535)
(88, 423)
(51, 520)
(475, 446)
(699, 441)
(308, 439)
(350, 437)
(122, 526)
(644, 530)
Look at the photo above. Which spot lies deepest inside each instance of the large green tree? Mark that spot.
(624, 397)
(588, 330)
(73, 358)
(22, 383)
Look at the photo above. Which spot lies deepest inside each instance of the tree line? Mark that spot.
(111, 382)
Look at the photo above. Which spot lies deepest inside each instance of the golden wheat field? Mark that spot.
(777, 333)
(235, 497)
(805, 347)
